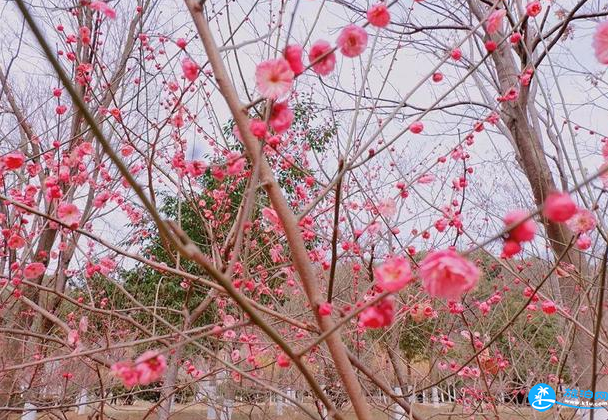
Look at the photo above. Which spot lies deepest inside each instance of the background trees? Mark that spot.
(181, 206)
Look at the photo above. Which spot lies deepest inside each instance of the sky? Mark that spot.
(571, 76)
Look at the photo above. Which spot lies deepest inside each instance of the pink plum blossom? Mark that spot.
(600, 42)
(281, 117)
(448, 275)
(559, 207)
(34, 270)
(494, 21)
(103, 7)
(190, 69)
(379, 315)
(293, 55)
(274, 78)
(352, 41)
(126, 372)
(69, 214)
(13, 160)
(150, 367)
(416, 127)
(394, 274)
(325, 309)
(583, 221)
(322, 66)
(378, 15)
(533, 8)
(525, 228)
(15, 242)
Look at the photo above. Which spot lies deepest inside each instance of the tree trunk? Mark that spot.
(167, 394)
(533, 161)
(393, 354)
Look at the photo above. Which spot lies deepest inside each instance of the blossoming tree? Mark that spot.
(219, 203)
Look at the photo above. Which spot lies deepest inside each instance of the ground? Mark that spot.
(139, 410)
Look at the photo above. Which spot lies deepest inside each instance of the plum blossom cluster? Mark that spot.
(148, 368)
(275, 77)
(192, 370)
(557, 208)
(521, 228)
(422, 311)
(444, 274)
(379, 315)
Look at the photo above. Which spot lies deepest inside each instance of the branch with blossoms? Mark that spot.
(209, 213)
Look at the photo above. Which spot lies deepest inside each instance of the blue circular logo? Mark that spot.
(541, 397)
